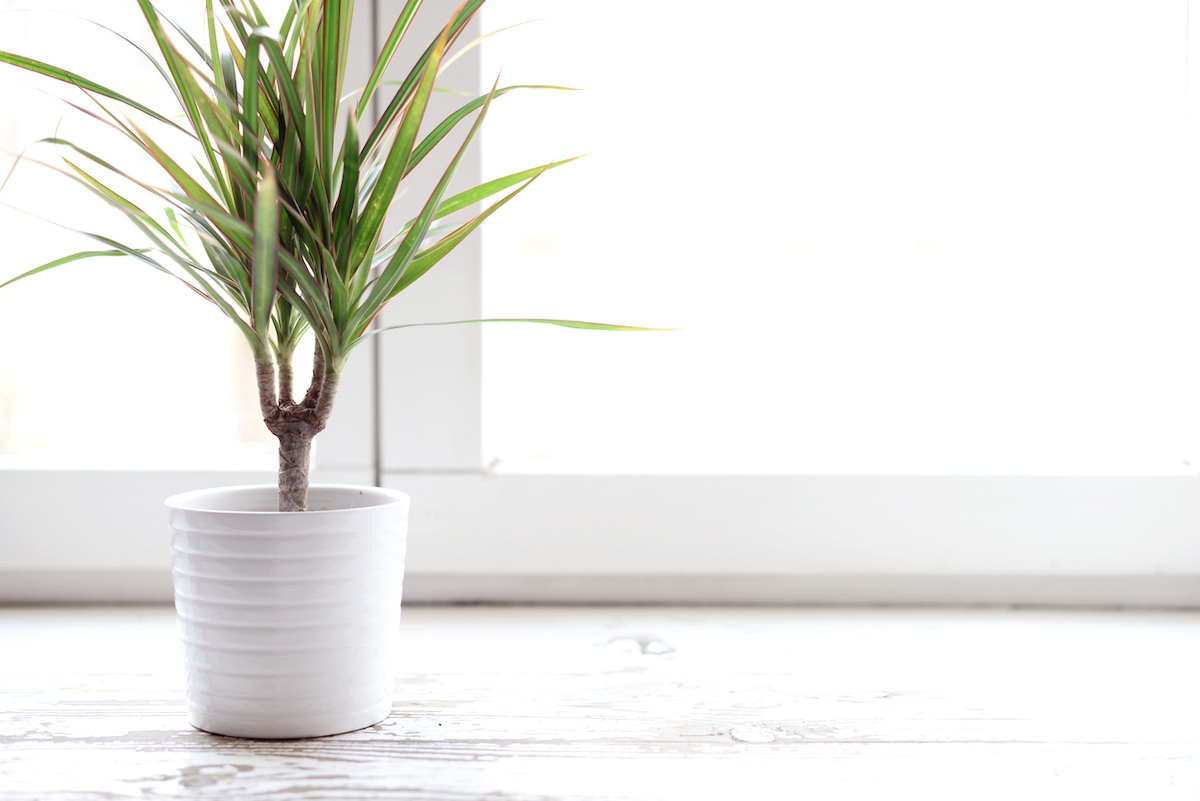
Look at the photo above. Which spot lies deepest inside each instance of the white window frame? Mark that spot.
(477, 535)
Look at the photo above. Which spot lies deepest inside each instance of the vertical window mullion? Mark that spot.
(430, 378)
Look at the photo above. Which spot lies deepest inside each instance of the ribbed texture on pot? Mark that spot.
(289, 621)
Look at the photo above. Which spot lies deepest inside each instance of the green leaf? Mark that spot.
(423, 262)
(385, 54)
(328, 80)
(87, 254)
(83, 83)
(192, 189)
(544, 321)
(481, 39)
(345, 212)
(472, 196)
(563, 323)
(188, 89)
(453, 29)
(394, 271)
(434, 137)
(250, 130)
(398, 158)
(187, 36)
(266, 252)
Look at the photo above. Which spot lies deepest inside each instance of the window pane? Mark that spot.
(917, 237)
(104, 362)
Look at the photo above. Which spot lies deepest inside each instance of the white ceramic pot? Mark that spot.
(289, 620)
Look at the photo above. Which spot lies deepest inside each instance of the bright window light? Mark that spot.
(124, 354)
(925, 237)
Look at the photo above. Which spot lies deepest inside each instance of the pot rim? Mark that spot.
(186, 501)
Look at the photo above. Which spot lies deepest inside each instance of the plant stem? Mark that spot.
(295, 425)
(329, 388)
(318, 378)
(295, 455)
(285, 380)
(265, 372)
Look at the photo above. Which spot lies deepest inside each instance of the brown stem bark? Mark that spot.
(329, 388)
(286, 382)
(295, 424)
(295, 455)
(318, 379)
(265, 373)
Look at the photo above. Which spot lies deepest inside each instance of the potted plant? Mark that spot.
(288, 597)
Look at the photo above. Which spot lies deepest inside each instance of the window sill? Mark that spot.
(630, 702)
(108, 586)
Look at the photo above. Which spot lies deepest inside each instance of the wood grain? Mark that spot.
(532, 704)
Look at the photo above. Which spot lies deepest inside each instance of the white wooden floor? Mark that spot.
(532, 704)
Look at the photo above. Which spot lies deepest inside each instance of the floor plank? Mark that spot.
(531, 704)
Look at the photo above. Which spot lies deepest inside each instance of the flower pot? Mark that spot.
(289, 620)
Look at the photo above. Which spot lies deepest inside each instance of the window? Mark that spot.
(926, 237)
(1035, 453)
(98, 362)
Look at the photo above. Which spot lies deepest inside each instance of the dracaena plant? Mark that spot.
(278, 216)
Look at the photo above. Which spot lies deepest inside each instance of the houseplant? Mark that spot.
(279, 223)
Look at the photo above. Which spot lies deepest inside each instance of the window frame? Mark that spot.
(409, 416)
